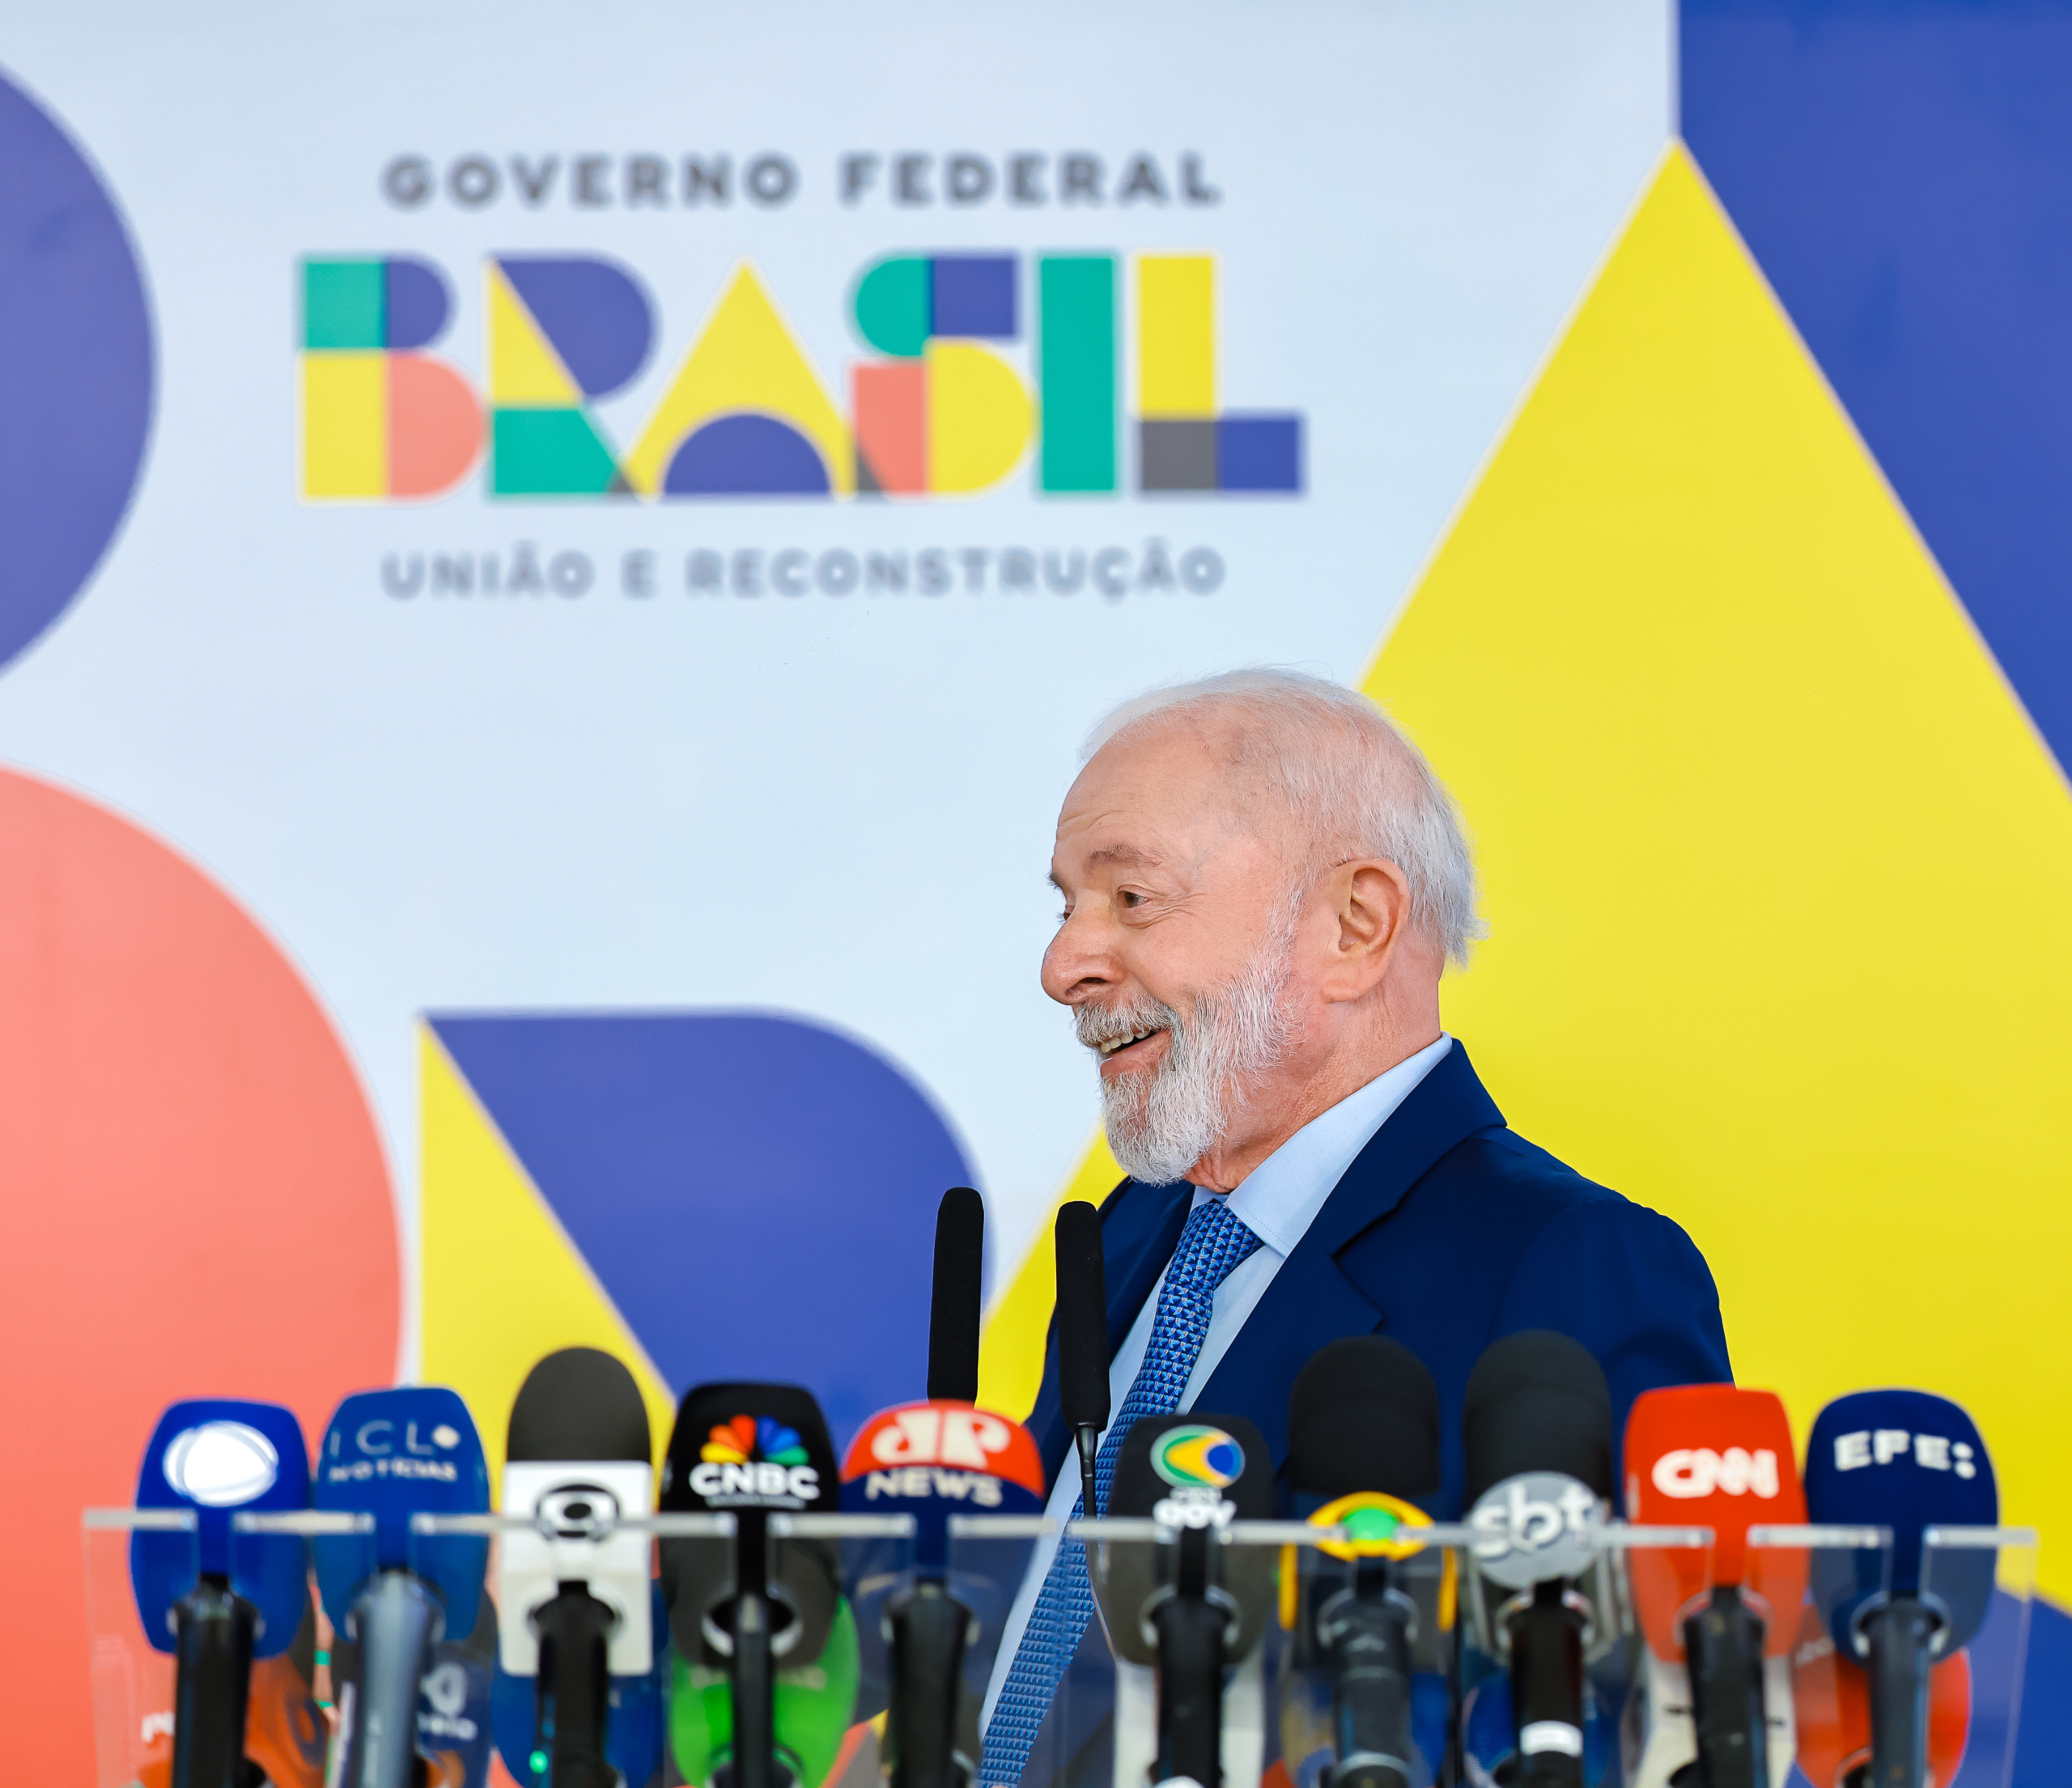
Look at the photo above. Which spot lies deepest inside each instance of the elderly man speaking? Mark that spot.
(1262, 881)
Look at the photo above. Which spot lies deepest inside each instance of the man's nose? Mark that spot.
(1078, 964)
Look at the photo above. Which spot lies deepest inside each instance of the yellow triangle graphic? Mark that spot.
(523, 366)
(1011, 1350)
(1777, 870)
(745, 358)
(502, 1283)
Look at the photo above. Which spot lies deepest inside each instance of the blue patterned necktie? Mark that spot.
(1213, 1242)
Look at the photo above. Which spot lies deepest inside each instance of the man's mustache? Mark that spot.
(1097, 1026)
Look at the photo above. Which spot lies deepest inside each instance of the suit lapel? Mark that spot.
(1311, 1301)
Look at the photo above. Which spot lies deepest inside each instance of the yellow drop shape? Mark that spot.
(980, 417)
(523, 366)
(503, 1284)
(745, 358)
(1011, 1350)
(344, 424)
(1777, 869)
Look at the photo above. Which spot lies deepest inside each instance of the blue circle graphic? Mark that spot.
(75, 370)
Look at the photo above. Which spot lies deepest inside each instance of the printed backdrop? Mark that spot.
(553, 566)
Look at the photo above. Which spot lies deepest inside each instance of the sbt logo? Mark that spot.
(939, 409)
(1698, 1471)
(1535, 1526)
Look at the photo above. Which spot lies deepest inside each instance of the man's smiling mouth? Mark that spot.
(1109, 1050)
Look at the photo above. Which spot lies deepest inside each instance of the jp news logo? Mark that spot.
(938, 410)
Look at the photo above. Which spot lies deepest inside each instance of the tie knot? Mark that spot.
(1214, 1241)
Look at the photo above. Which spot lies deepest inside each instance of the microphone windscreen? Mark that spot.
(1364, 1415)
(580, 1403)
(1906, 1460)
(1537, 1401)
(748, 1447)
(936, 1459)
(1164, 1456)
(221, 1456)
(392, 1455)
(1713, 1455)
(959, 1296)
(1082, 1318)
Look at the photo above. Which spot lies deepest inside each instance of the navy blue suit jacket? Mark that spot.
(1446, 1232)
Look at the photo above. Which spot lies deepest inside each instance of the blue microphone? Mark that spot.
(1905, 1460)
(214, 1600)
(393, 1454)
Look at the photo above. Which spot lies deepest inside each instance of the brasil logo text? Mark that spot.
(938, 411)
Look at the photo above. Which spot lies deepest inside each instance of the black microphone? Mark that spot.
(573, 1599)
(1363, 1433)
(1538, 1431)
(1186, 1602)
(1082, 1323)
(748, 1607)
(956, 1305)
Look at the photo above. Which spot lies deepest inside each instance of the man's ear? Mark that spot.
(1370, 908)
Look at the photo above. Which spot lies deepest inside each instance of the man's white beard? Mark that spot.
(1235, 1037)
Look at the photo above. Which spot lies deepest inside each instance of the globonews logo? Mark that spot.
(1536, 1525)
(1194, 1457)
(754, 1461)
(939, 409)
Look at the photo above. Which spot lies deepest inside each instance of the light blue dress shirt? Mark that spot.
(1277, 1201)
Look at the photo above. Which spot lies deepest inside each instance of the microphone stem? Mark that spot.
(754, 1685)
(1088, 1437)
(214, 1629)
(1547, 1690)
(575, 1686)
(1724, 1643)
(1900, 1635)
(1191, 1628)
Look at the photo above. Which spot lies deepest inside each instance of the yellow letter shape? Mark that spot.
(980, 417)
(743, 359)
(523, 369)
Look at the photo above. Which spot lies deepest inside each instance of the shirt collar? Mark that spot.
(1279, 1199)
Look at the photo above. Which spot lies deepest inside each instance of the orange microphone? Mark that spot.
(1832, 1695)
(1720, 1640)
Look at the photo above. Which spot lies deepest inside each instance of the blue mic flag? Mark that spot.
(222, 1456)
(393, 1454)
(1907, 1460)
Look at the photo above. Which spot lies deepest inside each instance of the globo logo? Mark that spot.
(925, 1436)
(1693, 1471)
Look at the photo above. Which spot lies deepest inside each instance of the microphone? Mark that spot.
(573, 1592)
(934, 1460)
(1189, 1606)
(1363, 1435)
(1832, 1701)
(215, 1600)
(393, 1454)
(1538, 1440)
(958, 1300)
(1716, 1456)
(1082, 1321)
(1906, 1460)
(767, 1669)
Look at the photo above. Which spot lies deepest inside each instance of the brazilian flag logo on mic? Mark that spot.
(1197, 1458)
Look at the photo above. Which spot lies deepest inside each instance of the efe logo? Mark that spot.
(1870, 1446)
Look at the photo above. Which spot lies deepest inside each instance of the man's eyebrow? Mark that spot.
(1123, 854)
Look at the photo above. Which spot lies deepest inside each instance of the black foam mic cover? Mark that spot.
(954, 1308)
(1082, 1318)
(580, 1403)
(1537, 1401)
(1364, 1416)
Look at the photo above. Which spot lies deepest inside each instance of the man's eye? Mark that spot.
(1129, 897)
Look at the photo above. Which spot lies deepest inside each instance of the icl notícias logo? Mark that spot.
(939, 413)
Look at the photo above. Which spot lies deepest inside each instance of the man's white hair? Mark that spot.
(1344, 771)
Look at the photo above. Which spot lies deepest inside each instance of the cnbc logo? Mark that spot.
(939, 407)
(754, 1455)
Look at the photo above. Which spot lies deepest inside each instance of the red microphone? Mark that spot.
(1719, 1687)
(1833, 1696)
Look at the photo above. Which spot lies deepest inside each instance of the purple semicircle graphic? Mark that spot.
(75, 370)
(418, 304)
(593, 312)
(746, 456)
(756, 1194)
